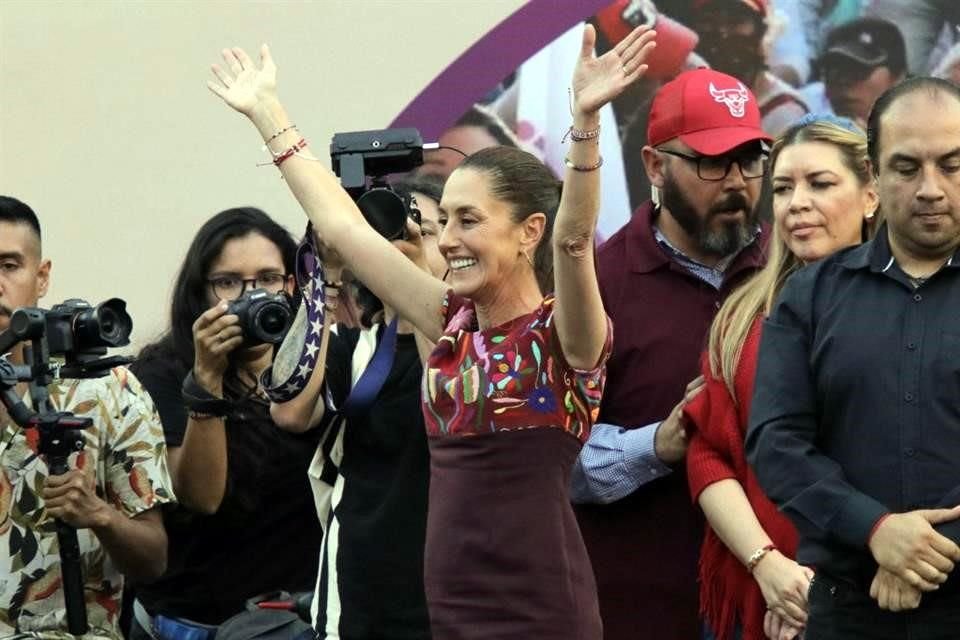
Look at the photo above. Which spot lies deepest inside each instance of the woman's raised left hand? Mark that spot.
(244, 84)
(597, 81)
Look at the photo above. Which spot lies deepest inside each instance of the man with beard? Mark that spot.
(732, 36)
(662, 278)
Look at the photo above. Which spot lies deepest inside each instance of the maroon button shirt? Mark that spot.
(644, 548)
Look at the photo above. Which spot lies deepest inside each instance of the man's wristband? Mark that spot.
(200, 401)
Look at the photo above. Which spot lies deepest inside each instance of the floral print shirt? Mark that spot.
(512, 376)
(125, 449)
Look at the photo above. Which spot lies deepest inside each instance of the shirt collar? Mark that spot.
(876, 254)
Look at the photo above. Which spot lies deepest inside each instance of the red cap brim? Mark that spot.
(715, 142)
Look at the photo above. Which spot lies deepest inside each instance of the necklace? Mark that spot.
(918, 281)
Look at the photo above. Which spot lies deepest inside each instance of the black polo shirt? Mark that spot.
(856, 408)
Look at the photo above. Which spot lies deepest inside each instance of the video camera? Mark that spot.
(358, 155)
(80, 334)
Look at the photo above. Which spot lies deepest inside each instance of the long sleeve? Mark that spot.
(614, 463)
(712, 418)
(781, 444)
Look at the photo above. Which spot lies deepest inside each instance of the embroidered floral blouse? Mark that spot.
(509, 377)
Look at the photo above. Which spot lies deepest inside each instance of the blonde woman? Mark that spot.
(824, 200)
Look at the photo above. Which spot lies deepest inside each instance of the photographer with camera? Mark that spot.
(374, 457)
(511, 390)
(109, 495)
(245, 525)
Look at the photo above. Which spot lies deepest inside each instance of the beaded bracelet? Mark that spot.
(279, 133)
(584, 169)
(299, 146)
(758, 555)
(581, 135)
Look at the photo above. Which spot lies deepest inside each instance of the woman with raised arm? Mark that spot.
(824, 200)
(511, 390)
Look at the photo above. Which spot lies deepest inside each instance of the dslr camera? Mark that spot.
(359, 155)
(77, 331)
(265, 317)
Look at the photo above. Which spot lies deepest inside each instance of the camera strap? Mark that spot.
(290, 371)
(375, 374)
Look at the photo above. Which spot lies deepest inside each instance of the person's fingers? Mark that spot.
(231, 59)
(266, 58)
(219, 325)
(788, 632)
(633, 50)
(225, 78)
(630, 38)
(792, 614)
(940, 560)
(589, 39)
(911, 599)
(913, 579)
(226, 346)
(875, 588)
(939, 516)
(244, 59)
(768, 624)
(209, 316)
(945, 547)
(216, 89)
(930, 573)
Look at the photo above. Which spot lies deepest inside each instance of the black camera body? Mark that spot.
(359, 155)
(265, 317)
(77, 331)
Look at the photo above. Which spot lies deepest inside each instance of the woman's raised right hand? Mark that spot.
(244, 85)
(215, 335)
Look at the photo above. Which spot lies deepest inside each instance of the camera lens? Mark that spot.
(385, 211)
(273, 320)
(270, 321)
(105, 325)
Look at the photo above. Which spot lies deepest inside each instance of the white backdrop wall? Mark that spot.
(108, 131)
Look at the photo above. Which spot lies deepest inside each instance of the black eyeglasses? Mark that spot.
(752, 165)
(232, 287)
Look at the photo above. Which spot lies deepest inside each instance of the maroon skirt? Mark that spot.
(504, 556)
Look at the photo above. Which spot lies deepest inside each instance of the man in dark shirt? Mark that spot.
(855, 424)
(662, 278)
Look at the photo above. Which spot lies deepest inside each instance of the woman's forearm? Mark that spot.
(581, 322)
(732, 518)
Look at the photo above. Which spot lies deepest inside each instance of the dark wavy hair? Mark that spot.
(190, 288)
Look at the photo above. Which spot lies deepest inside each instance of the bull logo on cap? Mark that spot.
(735, 99)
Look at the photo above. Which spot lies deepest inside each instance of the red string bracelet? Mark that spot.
(278, 159)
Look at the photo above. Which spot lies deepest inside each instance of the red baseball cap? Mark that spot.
(709, 111)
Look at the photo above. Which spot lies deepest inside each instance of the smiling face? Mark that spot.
(480, 241)
(919, 177)
(819, 204)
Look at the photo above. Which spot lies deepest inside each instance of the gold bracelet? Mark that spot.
(584, 169)
(758, 555)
